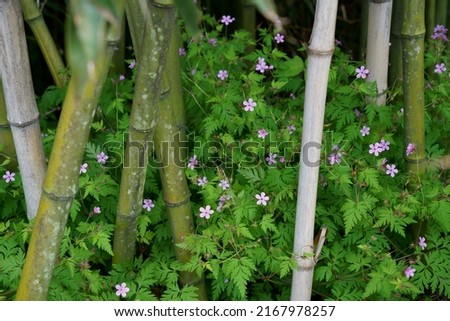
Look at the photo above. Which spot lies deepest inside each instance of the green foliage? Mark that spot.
(244, 249)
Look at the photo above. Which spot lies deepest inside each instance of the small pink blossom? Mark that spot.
(148, 204)
(226, 20)
(335, 158)
(202, 181)
(102, 158)
(224, 184)
(262, 199)
(362, 72)
(97, 210)
(132, 64)
(206, 212)
(193, 162)
(271, 159)
(422, 243)
(279, 38)
(249, 105)
(181, 52)
(83, 168)
(122, 290)
(409, 272)
(223, 74)
(291, 129)
(440, 68)
(410, 149)
(262, 133)
(365, 131)
(121, 77)
(384, 145)
(9, 176)
(391, 170)
(375, 149)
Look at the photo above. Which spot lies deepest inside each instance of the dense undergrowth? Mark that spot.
(388, 230)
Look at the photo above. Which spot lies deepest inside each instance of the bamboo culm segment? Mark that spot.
(144, 114)
(413, 32)
(395, 54)
(168, 135)
(22, 112)
(61, 181)
(378, 46)
(6, 140)
(320, 52)
(33, 17)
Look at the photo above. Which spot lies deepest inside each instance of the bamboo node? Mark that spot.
(58, 198)
(163, 3)
(415, 160)
(314, 52)
(24, 124)
(143, 130)
(416, 36)
(185, 201)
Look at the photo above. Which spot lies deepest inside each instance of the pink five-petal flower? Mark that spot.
(262, 133)
(249, 105)
(224, 184)
(206, 212)
(279, 38)
(362, 72)
(9, 176)
(410, 149)
(147, 204)
(262, 199)
(409, 272)
(122, 290)
(223, 74)
(202, 181)
(422, 243)
(375, 149)
(226, 20)
(97, 210)
(83, 168)
(365, 131)
(391, 170)
(102, 158)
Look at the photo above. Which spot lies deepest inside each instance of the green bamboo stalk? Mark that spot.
(144, 114)
(7, 149)
(34, 19)
(378, 45)
(320, 52)
(413, 32)
(248, 17)
(364, 28)
(169, 134)
(395, 74)
(21, 105)
(430, 18)
(61, 181)
(441, 12)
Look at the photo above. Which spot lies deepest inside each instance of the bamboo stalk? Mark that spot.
(378, 45)
(395, 55)
(34, 19)
(248, 14)
(430, 18)
(441, 12)
(23, 115)
(320, 52)
(61, 181)
(7, 149)
(144, 114)
(413, 32)
(169, 134)
(364, 28)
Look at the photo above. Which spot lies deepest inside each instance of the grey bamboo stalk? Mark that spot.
(34, 19)
(144, 114)
(395, 55)
(23, 115)
(6, 140)
(320, 52)
(413, 32)
(168, 137)
(61, 181)
(378, 45)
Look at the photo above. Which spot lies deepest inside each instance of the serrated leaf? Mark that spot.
(291, 67)
(267, 223)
